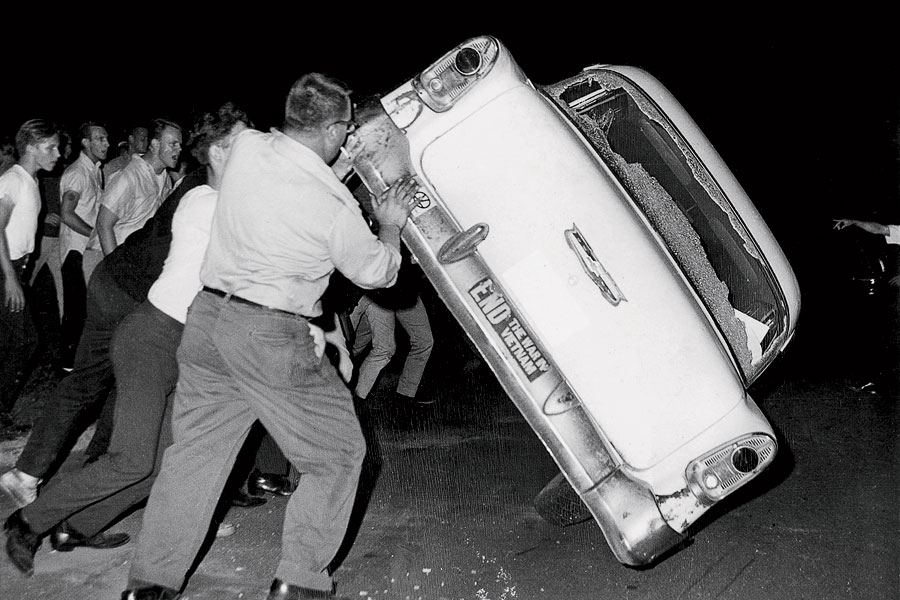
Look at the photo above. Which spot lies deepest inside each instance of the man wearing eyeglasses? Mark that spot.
(284, 222)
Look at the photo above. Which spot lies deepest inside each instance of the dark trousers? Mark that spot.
(18, 343)
(269, 458)
(74, 307)
(259, 454)
(143, 357)
(81, 394)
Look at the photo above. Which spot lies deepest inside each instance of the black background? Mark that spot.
(804, 110)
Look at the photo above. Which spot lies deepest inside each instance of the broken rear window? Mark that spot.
(685, 206)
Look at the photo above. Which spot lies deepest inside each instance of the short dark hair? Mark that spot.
(34, 131)
(314, 100)
(86, 128)
(157, 126)
(212, 127)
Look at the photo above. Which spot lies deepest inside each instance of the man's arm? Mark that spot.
(13, 296)
(893, 235)
(366, 261)
(870, 226)
(67, 212)
(106, 221)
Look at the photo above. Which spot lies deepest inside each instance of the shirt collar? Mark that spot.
(84, 158)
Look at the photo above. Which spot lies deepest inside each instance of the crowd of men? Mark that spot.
(192, 313)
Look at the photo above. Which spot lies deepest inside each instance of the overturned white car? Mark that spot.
(609, 267)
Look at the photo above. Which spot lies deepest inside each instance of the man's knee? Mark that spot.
(422, 342)
(383, 348)
(133, 466)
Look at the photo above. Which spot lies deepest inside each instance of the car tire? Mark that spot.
(559, 504)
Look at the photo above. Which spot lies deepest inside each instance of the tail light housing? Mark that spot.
(717, 474)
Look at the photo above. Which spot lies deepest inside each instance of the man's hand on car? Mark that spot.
(396, 203)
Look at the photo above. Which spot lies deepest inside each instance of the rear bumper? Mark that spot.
(630, 520)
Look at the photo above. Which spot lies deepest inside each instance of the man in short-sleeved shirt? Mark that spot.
(20, 188)
(133, 194)
(20, 203)
(80, 188)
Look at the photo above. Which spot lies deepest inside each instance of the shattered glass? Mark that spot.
(683, 203)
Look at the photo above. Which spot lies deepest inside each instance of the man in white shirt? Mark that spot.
(133, 194)
(37, 142)
(80, 188)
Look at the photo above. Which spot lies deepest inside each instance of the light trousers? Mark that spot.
(374, 323)
(239, 363)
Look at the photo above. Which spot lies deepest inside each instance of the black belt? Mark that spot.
(240, 300)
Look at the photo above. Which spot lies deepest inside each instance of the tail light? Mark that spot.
(453, 74)
(722, 471)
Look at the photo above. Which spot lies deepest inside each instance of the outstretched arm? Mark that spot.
(870, 226)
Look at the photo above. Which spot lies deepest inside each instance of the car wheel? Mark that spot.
(559, 504)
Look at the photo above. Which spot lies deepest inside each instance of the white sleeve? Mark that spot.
(893, 236)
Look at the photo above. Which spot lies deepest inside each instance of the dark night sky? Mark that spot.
(804, 112)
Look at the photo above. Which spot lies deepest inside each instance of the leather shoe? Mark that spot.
(22, 542)
(242, 500)
(285, 591)
(65, 539)
(150, 592)
(274, 484)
